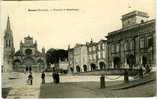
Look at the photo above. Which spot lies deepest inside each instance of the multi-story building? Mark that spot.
(80, 58)
(102, 54)
(88, 57)
(134, 44)
(92, 55)
(97, 54)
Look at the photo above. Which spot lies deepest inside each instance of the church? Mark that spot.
(27, 58)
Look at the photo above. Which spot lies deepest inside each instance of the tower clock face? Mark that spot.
(28, 51)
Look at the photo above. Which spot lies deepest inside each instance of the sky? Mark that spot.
(54, 28)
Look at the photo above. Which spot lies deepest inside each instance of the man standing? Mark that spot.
(57, 77)
(43, 77)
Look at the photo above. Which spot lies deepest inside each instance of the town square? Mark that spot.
(118, 63)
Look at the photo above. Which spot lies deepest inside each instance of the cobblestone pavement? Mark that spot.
(92, 90)
(70, 86)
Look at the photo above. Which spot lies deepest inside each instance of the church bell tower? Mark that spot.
(9, 49)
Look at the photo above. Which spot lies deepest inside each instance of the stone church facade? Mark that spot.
(26, 58)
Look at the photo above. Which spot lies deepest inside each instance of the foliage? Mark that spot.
(54, 55)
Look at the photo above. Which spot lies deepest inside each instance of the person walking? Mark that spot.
(30, 78)
(43, 77)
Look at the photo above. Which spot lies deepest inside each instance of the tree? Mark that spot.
(53, 55)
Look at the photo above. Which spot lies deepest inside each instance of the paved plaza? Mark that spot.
(14, 86)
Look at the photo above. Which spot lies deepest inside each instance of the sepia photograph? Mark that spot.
(77, 49)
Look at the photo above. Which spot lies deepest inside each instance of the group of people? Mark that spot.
(55, 76)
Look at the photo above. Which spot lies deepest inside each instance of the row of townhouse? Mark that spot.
(87, 57)
(132, 46)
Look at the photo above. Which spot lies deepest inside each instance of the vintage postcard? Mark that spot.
(77, 48)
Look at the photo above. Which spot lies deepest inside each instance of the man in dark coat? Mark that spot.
(43, 77)
(57, 77)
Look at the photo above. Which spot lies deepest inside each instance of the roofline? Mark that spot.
(133, 13)
(130, 27)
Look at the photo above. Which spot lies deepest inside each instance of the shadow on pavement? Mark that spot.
(5, 92)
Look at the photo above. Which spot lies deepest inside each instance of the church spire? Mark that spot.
(8, 24)
(8, 31)
(8, 37)
(9, 49)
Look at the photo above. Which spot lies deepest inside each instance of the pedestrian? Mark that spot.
(126, 76)
(141, 72)
(30, 78)
(43, 77)
(57, 78)
(54, 76)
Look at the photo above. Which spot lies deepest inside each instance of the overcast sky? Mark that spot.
(56, 29)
